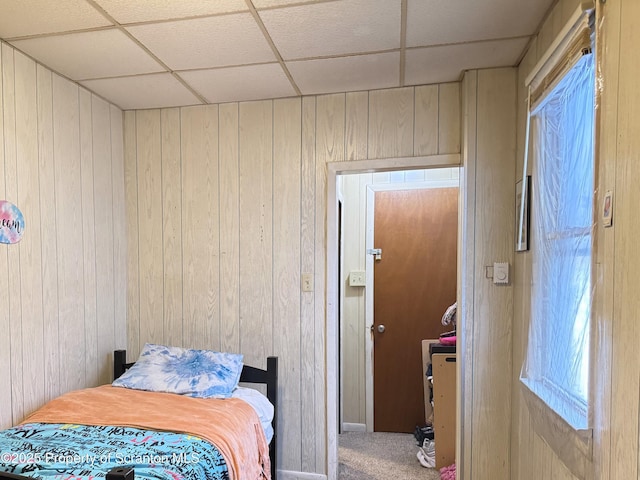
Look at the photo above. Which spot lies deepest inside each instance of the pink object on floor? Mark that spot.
(448, 340)
(448, 473)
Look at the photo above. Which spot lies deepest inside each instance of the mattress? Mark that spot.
(86, 433)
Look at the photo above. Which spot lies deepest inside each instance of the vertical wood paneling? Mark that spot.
(6, 417)
(88, 238)
(149, 156)
(200, 216)
(487, 199)
(466, 269)
(357, 111)
(171, 233)
(256, 229)
(522, 285)
(626, 330)
(286, 267)
(605, 458)
(307, 265)
(30, 248)
(13, 252)
(103, 185)
(62, 194)
(68, 186)
(525, 457)
(391, 114)
(229, 228)
(330, 129)
(85, 271)
(530, 462)
(525, 463)
(119, 230)
(256, 183)
(48, 289)
(133, 256)
(51, 367)
(425, 140)
(449, 118)
(492, 350)
(615, 400)
(329, 140)
(542, 452)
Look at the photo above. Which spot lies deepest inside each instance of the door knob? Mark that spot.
(381, 328)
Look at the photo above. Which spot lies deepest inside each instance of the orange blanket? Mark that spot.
(231, 424)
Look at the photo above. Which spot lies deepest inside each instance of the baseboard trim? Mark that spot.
(354, 427)
(291, 475)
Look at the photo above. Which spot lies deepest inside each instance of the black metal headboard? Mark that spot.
(249, 374)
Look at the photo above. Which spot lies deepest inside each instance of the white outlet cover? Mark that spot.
(357, 278)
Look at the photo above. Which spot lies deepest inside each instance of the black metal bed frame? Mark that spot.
(249, 375)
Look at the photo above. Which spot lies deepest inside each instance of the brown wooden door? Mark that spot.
(414, 283)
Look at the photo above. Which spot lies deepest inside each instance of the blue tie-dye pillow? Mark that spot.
(195, 373)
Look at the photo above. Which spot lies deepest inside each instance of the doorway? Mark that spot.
(358, 415)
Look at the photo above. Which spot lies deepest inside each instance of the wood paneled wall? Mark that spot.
(226, 209)
(62, 288)
(610, 439)
(531, 457)
(616, 369)
(486, 309)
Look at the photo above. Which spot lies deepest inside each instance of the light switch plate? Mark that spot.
(307, 282)
(501, 273)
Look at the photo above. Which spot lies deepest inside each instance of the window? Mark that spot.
(557, 363)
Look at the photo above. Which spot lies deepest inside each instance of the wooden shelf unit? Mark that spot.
(443, 413)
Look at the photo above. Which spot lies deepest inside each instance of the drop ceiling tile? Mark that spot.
(206, 42)
(19, 18)
(434, 22)
(446, 63)
(126, 11)
(254, 82)
(84, 55)
(279, 3)
(157, 90)
(334, 28)
(344, 74)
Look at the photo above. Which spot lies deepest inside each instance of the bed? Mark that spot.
(117, 433)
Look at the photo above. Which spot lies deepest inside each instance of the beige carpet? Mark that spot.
(380, 456)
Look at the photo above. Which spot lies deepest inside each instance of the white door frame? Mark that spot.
(332, 288)
(369, 262)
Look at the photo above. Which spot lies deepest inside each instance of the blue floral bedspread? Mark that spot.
(82, 452)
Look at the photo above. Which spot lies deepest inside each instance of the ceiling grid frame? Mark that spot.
(296, 47)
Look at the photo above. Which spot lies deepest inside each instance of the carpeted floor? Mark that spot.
(381, 456)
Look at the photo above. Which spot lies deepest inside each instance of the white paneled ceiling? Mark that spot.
(160, 53)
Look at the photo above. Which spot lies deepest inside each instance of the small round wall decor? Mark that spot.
(11, 223)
